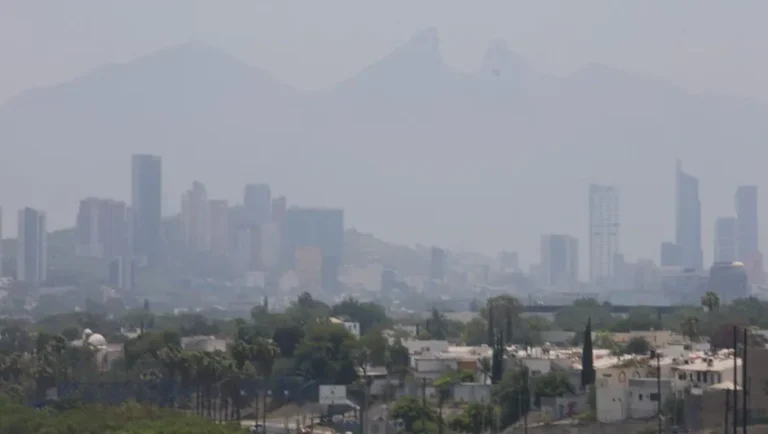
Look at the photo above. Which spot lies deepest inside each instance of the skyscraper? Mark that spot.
(258, 204)
(688, 219)
(437, 264)
(746, 215)
(671, 254)
(146, 203)
(1, 242)
(314, 227)
(279, 206)
(195, 219)
(748, 250)
(102, 228)
(559, 260)
(31, 247)
(603, 231)
(726, 239)
(219, 218)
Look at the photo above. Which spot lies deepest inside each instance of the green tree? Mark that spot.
(553, 383)
(475, 332)
(690, 328)
(368, 315)
(416, 417)
(377, 347)
(287, 337)
(638, 346)
(710, 301)
(573, 317)
(306, 310)
(475, 419)
(503, 311)
(513, 395)
(327, 355)
(587, 359)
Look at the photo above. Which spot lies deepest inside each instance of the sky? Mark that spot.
(705, 46)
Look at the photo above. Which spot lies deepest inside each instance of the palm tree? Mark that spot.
(171, 358)
(484, 365)
(265, 353)
(710, 301)
(690, 327)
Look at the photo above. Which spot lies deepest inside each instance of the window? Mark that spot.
(653, 396)
(640, 396)
(705, 377)
(535, 373)
(698, 376)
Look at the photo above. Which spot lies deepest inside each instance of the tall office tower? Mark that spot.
(195, 219)
(726, 238)
(746, 215)
(314, 227)
(508, 262)
(1, 242)
(437, 264)
(748, 250)
(688, 219)
(279, 206)
(258, 204)
(603, 231)
(671, 255)
(102, 228)
(219, 218)
(122, 273)
(560, 260)
(31, 247)
(146, 204)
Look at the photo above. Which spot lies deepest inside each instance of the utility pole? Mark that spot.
(658, 387)
(744, 384)
(735, 380)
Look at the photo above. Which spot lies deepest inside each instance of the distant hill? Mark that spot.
(413, 149)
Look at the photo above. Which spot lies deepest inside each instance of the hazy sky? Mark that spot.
(702, 45)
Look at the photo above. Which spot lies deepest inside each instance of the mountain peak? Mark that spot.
(500, 60)
(423, 48)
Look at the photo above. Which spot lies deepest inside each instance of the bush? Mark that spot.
(124, 419)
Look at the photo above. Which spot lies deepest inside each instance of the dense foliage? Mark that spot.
(124, 419)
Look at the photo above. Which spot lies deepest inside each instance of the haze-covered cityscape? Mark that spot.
(426, 218)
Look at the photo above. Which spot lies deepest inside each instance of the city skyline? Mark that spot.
(735, 237)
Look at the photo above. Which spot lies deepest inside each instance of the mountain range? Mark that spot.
(414, 150)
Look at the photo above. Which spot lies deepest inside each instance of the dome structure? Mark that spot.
(96, 340)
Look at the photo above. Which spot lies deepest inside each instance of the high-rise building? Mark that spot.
(559, 260)
(671, 255)
(122, 273)
(279, 206)
(726, 236)
(746, 216)
(195, 219)
(1, 242)
(508, 262)
(258, 204)
(688, 219)
(437, 264)
(748, 250)
(314, 227)
(146, 204)
(603, 231)
(102, 228)
(31, 247)
(729, 281)
(219, 218)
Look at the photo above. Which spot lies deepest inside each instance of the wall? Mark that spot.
(612, 404)
(472, 392)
